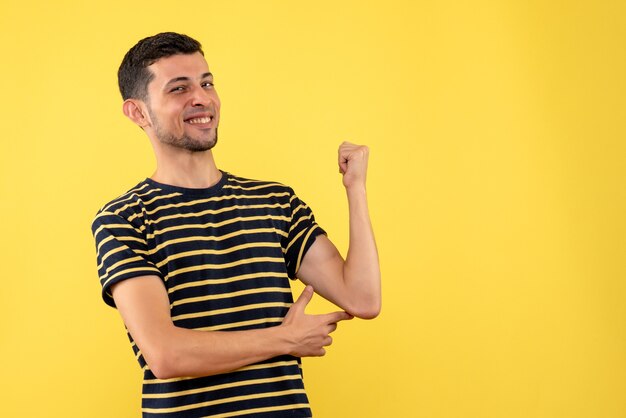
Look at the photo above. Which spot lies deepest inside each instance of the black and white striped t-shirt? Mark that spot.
(225, 254)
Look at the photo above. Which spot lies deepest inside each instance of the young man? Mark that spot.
(198, 261)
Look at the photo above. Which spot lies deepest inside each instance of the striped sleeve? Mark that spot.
(121, 251)
(302, 232)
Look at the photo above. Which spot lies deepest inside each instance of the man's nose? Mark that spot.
(201, 97)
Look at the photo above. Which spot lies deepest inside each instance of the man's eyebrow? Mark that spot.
(178, 79)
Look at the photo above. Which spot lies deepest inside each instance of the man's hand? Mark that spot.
(309, 334)
(353, 164)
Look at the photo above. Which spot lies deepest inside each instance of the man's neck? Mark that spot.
(194, 170)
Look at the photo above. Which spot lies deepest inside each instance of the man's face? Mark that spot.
(182, 103)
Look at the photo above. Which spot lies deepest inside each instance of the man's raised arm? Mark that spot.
(353, 284)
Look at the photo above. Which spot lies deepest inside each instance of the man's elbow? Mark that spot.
(162, 371)
(162, 363)
(369, 311)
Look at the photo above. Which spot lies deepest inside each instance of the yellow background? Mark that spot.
(496, 190)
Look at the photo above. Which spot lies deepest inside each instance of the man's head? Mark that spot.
(168, 91)
(134, 76)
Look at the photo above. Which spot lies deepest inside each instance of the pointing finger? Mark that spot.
(334, 317)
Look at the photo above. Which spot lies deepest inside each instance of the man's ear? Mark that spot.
(135, 110)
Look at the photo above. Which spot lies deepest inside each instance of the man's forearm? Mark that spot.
(185, 352)
(171, 351)
(361, 270)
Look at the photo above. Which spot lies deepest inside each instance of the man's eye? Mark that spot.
(177, 89)
(207, 84)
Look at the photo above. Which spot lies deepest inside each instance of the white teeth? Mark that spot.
(200, 120)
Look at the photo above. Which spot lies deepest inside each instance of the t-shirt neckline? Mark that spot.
(205, 191)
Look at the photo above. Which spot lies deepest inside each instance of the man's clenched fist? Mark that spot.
(353, 164)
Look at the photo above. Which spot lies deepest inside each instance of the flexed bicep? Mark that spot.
(322, 268)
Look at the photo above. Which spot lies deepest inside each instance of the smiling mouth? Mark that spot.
(205, 119)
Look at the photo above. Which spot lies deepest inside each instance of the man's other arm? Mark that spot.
(352, 284)
(171, 351)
